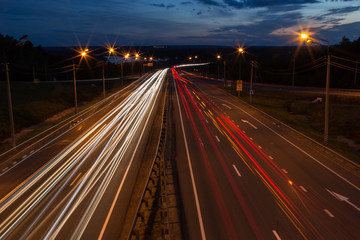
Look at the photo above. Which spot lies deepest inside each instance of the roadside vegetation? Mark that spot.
(300, 112)
(34, 103)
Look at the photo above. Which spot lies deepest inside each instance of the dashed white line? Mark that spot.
(24, 156)
(206, 121)
(5, 169)
(294, 145)
(284, 170)
(302, 188)
(14, 163)
(329, 213)
(271, 157)
(236, 170)
(251, 139)
(259, 147)
(226, 106)
(217, 138)
(276, 235)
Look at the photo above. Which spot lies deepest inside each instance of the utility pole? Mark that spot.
(75, 94)
(326, 127)
(356, 71)
(251, 80)
(224, 72)
(12, 127)
(103, 77)
(293, 74)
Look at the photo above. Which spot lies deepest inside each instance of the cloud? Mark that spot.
(162, 5)
(158, 5)
(170, 6)
(186, 3)
(239, 4)
(209, 2)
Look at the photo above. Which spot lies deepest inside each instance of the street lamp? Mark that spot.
(83, 54)
(218, 57)
(241, 51)
(310, 40)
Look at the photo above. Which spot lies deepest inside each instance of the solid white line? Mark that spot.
(291, 143)
(276, 235)
(202, 230)
(284, 170)
(328, 213)
(236, 170)
(217, 138)
(302, 188)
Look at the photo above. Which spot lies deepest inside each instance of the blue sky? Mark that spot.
(159, 22)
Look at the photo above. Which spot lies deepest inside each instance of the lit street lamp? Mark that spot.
(310, 40)
(83, 54)
(218, 57)
(241, 52)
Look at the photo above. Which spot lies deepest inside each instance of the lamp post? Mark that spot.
(12, 125)
(218, 57)
(251, 81)
(310, 40)
(241, 52)
(83, 54)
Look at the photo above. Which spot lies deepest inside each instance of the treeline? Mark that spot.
(22, 56)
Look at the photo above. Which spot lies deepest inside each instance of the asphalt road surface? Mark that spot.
(79, 186)
(244, 175)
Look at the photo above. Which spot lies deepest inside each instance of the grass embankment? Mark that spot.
(298, 111)
(33, 103)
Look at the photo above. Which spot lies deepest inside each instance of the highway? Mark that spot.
(242, 174)
(245, 175)
(80, 186)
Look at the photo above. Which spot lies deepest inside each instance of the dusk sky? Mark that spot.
(193, 22)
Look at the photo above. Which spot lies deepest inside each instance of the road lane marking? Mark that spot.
(259, 147)
(246, 121)
(206, 121)
(5, 169)
(251, 138)
(236, 170)
(294, 145)
(343, 199)
(302, 188)
(217, 138)
(202, 230)
(271, 157)
(227, 106)
(284, 170)
(276, 235)
(329, 213)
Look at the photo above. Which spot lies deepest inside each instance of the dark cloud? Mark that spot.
(344, 10)
(158, 5)
(170, 6)
(209, 2)
(186, 3)
(199, 13)
(162, 5)
(254, 3)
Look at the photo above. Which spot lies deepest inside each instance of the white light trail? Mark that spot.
(104, 145)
